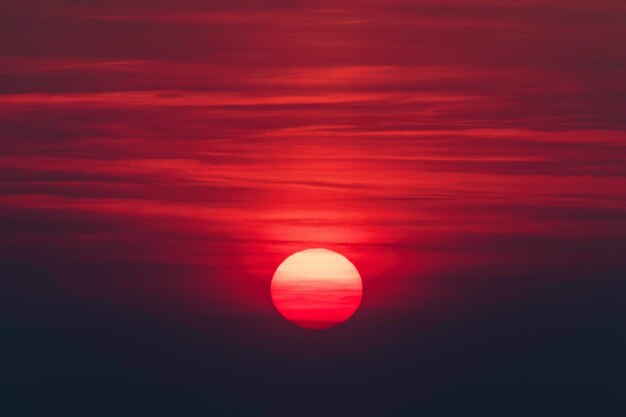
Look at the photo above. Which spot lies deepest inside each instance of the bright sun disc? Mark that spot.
(316, 288)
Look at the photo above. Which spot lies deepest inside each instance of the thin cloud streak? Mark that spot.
(444, 134)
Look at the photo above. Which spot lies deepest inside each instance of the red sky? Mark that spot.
(160, 158)
(419, 138)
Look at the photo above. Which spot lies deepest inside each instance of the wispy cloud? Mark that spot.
(420, 128)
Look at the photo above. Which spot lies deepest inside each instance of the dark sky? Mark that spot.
(159, 159)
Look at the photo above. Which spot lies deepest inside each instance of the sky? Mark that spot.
(159, 159)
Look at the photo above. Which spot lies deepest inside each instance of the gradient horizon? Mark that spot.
(159, 159)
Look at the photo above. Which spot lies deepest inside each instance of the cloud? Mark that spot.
(432, 131)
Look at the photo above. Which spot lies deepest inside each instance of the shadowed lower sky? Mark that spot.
(164, 156)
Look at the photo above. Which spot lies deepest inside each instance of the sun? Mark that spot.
(317, 288)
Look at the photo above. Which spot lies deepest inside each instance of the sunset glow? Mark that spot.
(190, 189)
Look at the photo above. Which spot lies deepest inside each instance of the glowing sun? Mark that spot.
(316, 288)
